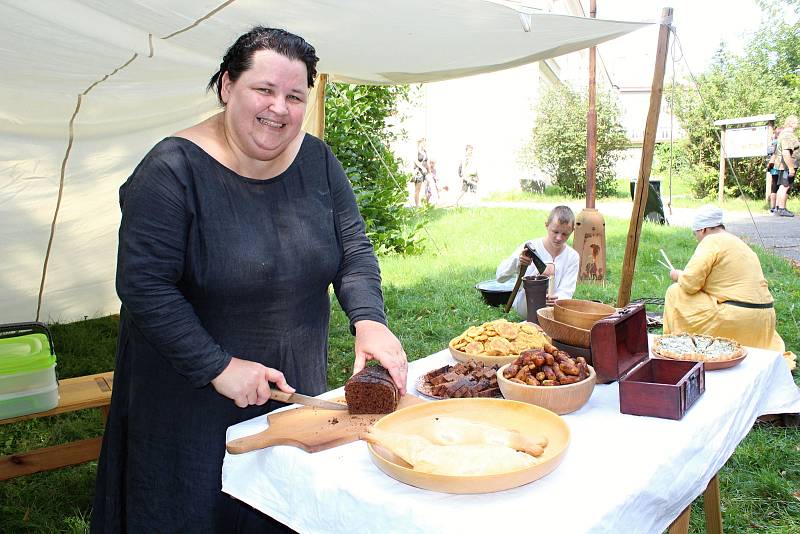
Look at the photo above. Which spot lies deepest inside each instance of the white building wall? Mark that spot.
(493, 112)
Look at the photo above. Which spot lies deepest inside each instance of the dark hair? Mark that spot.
(239, 57)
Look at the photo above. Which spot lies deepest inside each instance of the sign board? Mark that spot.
(746, 142)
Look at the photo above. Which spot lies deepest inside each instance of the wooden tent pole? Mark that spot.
(643, 182)
(591, 122)
(314, 121)
(722, 151)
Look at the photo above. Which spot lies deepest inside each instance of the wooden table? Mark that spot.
(83, 392)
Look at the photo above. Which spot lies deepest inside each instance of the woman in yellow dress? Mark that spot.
(722, 291)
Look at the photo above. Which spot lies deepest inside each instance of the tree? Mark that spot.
(764, 79)
(356, 130)
(558, 141)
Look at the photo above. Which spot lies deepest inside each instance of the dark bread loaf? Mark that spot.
(371, 390)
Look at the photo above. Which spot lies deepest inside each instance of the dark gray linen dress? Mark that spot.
(213, 265)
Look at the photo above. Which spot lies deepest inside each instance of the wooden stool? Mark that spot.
(91, 391)
(711, 507)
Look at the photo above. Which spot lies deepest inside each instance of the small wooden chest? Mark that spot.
(651, 387)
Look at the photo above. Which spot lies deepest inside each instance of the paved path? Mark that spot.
(778, 235)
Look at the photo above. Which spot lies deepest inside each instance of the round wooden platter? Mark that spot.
(424, 389)
(709, 365)
(531, 420)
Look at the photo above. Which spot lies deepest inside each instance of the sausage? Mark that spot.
(548, 372)
(569, 368)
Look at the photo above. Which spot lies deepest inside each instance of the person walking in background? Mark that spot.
(468, 172)
(420, 169)
(788, 149)
(432, 184)
(774, 174)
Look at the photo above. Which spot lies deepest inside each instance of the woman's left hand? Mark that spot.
(374, 341)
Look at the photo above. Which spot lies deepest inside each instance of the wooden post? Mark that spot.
(768, 190)
(314, 121)
(643, 182)
(590, 227)
(591, 122)
(721, 192)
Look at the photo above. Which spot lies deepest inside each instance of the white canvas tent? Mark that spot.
(90, 85)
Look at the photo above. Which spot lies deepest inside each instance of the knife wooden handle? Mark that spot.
(275, 393)
(512, 296)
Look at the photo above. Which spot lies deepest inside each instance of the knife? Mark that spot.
(297, 398)
(537, 261)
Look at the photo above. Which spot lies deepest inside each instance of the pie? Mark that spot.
(697, 347)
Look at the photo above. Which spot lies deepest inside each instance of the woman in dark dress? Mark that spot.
(232, 231)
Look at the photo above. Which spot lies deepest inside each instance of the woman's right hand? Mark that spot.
(247, 383)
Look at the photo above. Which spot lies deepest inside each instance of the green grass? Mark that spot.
(430, 299)
(681, 196)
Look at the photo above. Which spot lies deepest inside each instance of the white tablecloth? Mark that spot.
(621, 473)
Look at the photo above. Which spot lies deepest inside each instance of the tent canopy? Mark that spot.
(90, 85)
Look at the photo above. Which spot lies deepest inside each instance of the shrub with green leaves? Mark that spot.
(356, 130)
(558, 141)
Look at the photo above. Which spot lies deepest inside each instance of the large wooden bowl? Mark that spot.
(531, 420)
(558, 399)
(571, 335)
(581, 313)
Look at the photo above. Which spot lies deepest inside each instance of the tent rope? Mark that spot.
(71, 141)
(706, 115)
(62, 175)
(368, 137)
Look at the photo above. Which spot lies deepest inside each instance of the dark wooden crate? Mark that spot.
(656, 388)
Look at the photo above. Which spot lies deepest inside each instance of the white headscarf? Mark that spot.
(707, 216)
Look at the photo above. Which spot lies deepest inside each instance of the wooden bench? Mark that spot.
(91, 391)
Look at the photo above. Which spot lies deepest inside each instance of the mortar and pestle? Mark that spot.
(537, 287)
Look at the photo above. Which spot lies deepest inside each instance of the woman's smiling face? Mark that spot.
(264, 108)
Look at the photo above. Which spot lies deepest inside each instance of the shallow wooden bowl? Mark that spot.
(581, 313)
(461, 356)
(571, 335)
(558, 399)
(531, 420)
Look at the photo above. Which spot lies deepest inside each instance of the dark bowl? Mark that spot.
(493, 296)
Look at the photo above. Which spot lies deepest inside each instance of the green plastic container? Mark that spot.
(27, 370)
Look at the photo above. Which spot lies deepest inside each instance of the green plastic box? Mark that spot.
(27, 370)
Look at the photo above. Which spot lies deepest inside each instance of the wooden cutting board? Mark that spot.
(312, 429)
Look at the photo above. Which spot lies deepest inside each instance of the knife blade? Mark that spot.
(297, 398)
(537, 261)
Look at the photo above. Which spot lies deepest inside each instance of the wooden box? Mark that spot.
(655, 388)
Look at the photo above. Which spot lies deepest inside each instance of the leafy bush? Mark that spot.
(356, 130)
(704, 181)
(677, 157)
(558, 141)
